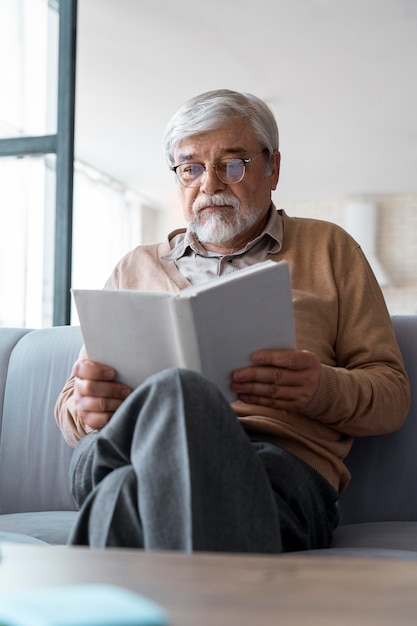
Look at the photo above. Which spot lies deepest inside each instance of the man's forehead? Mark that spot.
(188, 152)
(227, 139)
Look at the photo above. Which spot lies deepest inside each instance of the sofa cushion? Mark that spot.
(365, 553)
(17, 538)
(51, 527)
(386, 535)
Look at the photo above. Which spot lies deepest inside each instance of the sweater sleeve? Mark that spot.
(369, 401)
(72, 428)
(366, 391)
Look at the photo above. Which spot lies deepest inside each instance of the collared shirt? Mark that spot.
(199, 265)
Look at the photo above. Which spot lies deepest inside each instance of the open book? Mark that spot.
(212, 328)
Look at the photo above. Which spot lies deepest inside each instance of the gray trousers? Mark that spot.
(175, 470)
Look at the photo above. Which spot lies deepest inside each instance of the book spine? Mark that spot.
(185, 335)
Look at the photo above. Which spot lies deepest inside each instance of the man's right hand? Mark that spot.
(96, 394)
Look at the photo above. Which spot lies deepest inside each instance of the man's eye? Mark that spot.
(192, 170)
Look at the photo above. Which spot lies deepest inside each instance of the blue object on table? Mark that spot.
(79, 605)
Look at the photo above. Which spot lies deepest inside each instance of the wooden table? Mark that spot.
(232, 590)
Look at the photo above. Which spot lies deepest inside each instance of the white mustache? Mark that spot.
(217, 199)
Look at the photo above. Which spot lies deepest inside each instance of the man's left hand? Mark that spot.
(281, 379)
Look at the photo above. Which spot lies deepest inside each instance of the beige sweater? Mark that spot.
(340, 315)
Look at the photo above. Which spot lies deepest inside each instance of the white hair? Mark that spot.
(213, 109)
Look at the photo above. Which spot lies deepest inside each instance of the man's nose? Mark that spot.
(210, 182)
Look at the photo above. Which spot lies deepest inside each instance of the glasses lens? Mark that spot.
(230, 170)
(189, 173)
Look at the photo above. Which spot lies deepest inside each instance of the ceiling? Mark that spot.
(340, 76)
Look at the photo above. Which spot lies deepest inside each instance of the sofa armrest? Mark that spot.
(34, 459)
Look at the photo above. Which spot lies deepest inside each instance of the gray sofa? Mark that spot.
(378, 510)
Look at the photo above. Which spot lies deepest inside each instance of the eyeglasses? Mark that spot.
(229, 171)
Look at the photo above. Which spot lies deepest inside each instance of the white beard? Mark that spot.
(219, 228)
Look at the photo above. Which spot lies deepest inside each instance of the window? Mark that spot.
(27, 200)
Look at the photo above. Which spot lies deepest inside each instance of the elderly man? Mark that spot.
(171, 465)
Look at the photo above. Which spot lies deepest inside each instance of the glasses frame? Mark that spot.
(197, 181)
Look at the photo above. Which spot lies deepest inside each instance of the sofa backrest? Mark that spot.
(8, 339)
(34, 457)
(384, 468)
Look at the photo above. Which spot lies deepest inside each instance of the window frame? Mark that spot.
(62, 145)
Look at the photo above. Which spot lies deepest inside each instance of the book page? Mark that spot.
(132, 334)
(249, 310)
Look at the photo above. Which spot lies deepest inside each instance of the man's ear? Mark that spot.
(276, 164)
